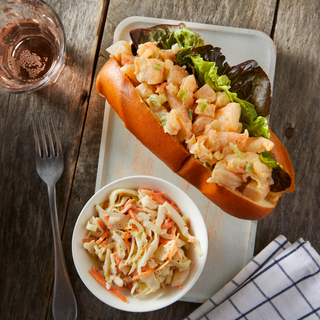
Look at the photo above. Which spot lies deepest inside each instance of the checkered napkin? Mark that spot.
(281, 282)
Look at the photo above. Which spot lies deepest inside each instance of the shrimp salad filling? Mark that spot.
(138, 240)
(218, 112)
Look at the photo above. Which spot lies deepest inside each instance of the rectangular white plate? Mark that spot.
(231, 240)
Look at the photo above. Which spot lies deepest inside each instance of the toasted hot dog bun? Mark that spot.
(122, 96)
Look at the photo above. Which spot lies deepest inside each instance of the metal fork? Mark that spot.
(49, 163)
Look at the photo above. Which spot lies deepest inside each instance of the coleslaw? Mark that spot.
(138, 240)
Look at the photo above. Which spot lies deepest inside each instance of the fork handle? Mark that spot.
(64, 305)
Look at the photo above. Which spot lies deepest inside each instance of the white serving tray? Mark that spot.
(231, 240)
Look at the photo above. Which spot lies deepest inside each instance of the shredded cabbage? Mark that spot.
(139, 241)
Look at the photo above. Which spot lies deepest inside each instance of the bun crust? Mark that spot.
(122, 96)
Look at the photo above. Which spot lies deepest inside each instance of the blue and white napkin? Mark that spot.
(281, 282)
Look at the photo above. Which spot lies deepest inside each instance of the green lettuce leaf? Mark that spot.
(258, 128)
(268, 158)
(207, 53)
(252, 84)
(167, 36)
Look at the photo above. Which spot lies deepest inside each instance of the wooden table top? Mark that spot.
(27, 264)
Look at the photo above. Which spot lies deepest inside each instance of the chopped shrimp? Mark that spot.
(205, 110)
(216, 125)
(257, 145)
(161, 88)
(176, 74)
(262, 170)
(206, 92)
(145, 90)
(256, 190)
(213, 142)
(229, 117)
(222, 99)
(200, 124)
(126, 58)
(189, 85)
(118, 48)
(167, 55)
(185, 132)
(239, 165)
(238, 139)
(148, 50)
(174, 102)
(172, 125)
(129, 70)
(222, 176)
(151, 71)
(199, 149)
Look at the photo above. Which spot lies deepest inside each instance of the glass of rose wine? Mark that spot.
(32, 46)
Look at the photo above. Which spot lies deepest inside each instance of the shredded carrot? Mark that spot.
(138, 209)
(104, 243)
(104, 236)
(129, 201)
(97, 276)
(173, 230)
(133, 216)
(130, 285)
(117, 293)
(145, 268)
(88, 240)
(164, 241)
(118, 288)
(180, 287)
(105, 205)
(188, 222)
(167, 225)
(156, 196)
(135, 227)
(106, 217)
(102, 225)
(118, 260)
(151, 193)
(163, 265)
(158, 199)
(174, 205)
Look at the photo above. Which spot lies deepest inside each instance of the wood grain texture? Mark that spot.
(242, 14)
(295, 119)
(27, 258)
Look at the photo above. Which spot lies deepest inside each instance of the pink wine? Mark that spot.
(28, 51)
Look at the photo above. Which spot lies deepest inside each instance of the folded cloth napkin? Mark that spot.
(281, 282)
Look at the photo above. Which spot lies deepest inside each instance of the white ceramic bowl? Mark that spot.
(164, 296)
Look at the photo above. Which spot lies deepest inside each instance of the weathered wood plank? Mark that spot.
(221, 13)
(27, 256)
(248, 14)
(295, 120)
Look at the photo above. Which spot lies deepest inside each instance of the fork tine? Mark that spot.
(59, 148)
(43, 138)
(52, 152)
(36, 137)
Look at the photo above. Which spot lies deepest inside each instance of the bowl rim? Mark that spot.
(101, 293)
